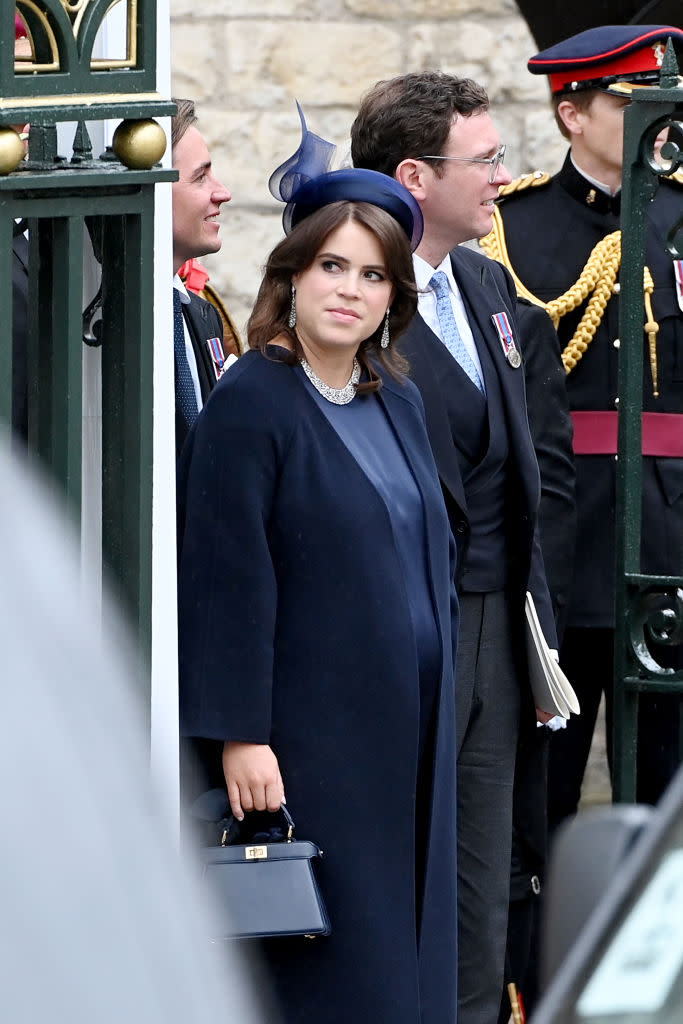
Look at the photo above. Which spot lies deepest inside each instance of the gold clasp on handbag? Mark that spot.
(255, 852)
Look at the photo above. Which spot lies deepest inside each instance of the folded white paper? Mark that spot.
(551, 689)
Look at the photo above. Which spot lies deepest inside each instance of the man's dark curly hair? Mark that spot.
(410, 115)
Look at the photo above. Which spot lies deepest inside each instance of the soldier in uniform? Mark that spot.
(560, 238)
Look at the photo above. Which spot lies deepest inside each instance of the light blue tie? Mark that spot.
(185, 392)
(450, 335)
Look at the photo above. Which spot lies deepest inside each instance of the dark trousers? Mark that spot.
(523, 954)
(529, 842)
(487, 709)
(587, 657)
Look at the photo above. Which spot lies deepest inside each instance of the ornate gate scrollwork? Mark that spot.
(655, 622)
(62, 34)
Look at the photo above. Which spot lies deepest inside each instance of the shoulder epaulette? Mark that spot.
(677, 176)
(534, 179)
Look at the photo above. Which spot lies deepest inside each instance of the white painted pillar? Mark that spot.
(164, 748)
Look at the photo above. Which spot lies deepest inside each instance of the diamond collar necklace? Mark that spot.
(338, 396)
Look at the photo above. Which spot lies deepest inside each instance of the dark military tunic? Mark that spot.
(550, 232)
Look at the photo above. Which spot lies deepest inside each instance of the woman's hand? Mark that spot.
(253, 778)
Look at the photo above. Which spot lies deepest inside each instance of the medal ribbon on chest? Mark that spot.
(507, 340)
(678, 274)
(215, 347)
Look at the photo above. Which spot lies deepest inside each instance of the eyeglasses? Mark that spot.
(494, 161)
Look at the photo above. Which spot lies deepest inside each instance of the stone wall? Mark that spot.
(246, 61)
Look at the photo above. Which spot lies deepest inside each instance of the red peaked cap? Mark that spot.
(599, 57)
(19, 27)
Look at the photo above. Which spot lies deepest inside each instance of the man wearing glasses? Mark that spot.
(433, 132)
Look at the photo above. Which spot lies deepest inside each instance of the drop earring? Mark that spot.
(291, 319)
(385, 333)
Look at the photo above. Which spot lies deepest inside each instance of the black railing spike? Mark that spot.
(82, 147)
(668, 76)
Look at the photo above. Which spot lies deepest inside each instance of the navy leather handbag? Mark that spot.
(261, 881)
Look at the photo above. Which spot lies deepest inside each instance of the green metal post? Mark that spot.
(649, 609)
(127, 378)
(55, 345)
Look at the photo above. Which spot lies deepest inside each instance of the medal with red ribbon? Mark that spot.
(217, 355)
(678, 274)
(507, 340)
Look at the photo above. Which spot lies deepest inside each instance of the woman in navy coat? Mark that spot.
(317, 612)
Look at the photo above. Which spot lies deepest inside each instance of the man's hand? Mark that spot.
(252, 777)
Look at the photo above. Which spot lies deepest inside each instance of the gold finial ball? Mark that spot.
(139, 144)
(11, 150)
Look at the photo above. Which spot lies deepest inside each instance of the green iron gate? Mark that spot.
(112, 197)
(649, 609)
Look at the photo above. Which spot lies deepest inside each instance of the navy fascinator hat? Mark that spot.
(306, 183)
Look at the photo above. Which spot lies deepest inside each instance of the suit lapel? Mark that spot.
(422, 349)
(198, 328)
(483, 298)
(20, 249)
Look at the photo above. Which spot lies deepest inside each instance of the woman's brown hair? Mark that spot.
(296, 253)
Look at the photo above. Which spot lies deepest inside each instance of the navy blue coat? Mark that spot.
(295, 630)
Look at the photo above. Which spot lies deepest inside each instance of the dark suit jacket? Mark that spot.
(486, 289)
(552, 434)
(203, 322)
(19, 335)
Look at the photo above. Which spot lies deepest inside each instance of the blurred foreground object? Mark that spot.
(96, 904)
(613, 928)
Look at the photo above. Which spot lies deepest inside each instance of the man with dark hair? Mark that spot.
(198, 329)
(560, 236)
(433, 132)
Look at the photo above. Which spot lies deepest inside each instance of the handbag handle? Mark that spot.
(213, 808)
(270, 831)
